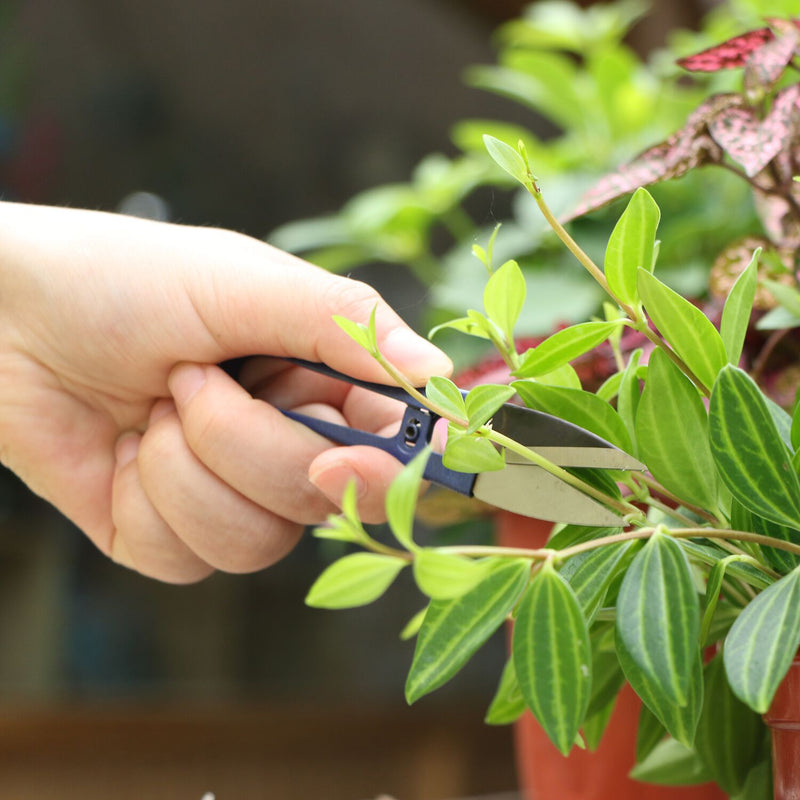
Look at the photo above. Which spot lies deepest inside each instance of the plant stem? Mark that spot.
(656, 487)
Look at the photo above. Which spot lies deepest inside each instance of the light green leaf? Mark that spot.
(687, 329)
(454, 629)
(471, 453)
(509, 159)
(552, 657)
(483, 402)
(363, 334)
(738, 308)
(679, 721)
(354, 580)
(469, 325)
(504, 297)
(443, 576)
(590, 574)
(631, 246)
(672, 434)
(671, 764)
(444, 393)
(658, 617)
(508, 704)
(787, 296)
(565, 376)
(564, 346)
(581, 408)
(412, 627)
(749, 452)
(340, 529)
(762, 642)
(729, 735)
(401, 499)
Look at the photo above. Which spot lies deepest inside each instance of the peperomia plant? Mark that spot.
(695, 598)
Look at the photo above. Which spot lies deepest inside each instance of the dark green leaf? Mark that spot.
(763, 641)
(454, 629)
(679, 721)
(686, 328)
(581, 408)
(671, 764)
(471, 453)
(504, 297)
(590, 574)
(781, 560)
(607, 675)
(594, 726)
(483, 401)
(552, 657)
(401, 499)
(631, 246)
(748, 450)
(658, 617)
(758, 785)
(354, 580)
(508, 704)
(713, 590)
(564, 346)
(649, 732)
(738, 308)
(672, 434)
(729, 734)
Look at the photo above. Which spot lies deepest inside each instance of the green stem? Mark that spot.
(656, 487)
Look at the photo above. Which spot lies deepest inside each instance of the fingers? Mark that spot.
(177, 521)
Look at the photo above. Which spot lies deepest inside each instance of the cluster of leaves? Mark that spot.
(594, 102)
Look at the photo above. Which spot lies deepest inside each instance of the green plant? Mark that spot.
(708, 558)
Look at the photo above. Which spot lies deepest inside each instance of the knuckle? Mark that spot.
(350, 298)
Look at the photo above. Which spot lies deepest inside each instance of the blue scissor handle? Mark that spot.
(414, 434)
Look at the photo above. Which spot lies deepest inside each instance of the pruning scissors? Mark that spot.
(522, 487)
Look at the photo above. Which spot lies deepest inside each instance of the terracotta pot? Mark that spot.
(783, 719)
(599, 775)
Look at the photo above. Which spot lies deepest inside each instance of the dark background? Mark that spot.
(243, 114)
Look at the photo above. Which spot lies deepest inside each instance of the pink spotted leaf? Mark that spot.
(765, 65)
(729, 54)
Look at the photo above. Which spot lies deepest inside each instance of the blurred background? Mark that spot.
(244, 114)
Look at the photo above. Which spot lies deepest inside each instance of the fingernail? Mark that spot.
(185, 381)
(332, 479)
(126, 448)
(415, 356)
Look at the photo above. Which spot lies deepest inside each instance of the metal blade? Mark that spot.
(533, 492)
(558, 441)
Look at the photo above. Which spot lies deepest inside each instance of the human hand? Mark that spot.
(112, 408)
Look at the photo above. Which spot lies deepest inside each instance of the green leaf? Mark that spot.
(762, 642)
(577, 406)
(649, 732)
(758, 785)
(454, 629)
(443, 576)
(671, 764)
(401, 499)
(509, 159)
(444, 393)
(504, 297)
(713, 590)
(631, 246)
(469, 325)
(729, 735)
(738, 308)
(552, 657)
(672, 434)
(483, 402)
(658, 617)
(471, 453)
(564, 346)
(590, 574)
(412, 627)
(630, 395)
(750, 455)
(595, 725)
(354, 580)
(680, 721)
(787, 296)
(508, 704)
(779, 559)
(687, 329)
(607, 676)
(363, 334)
